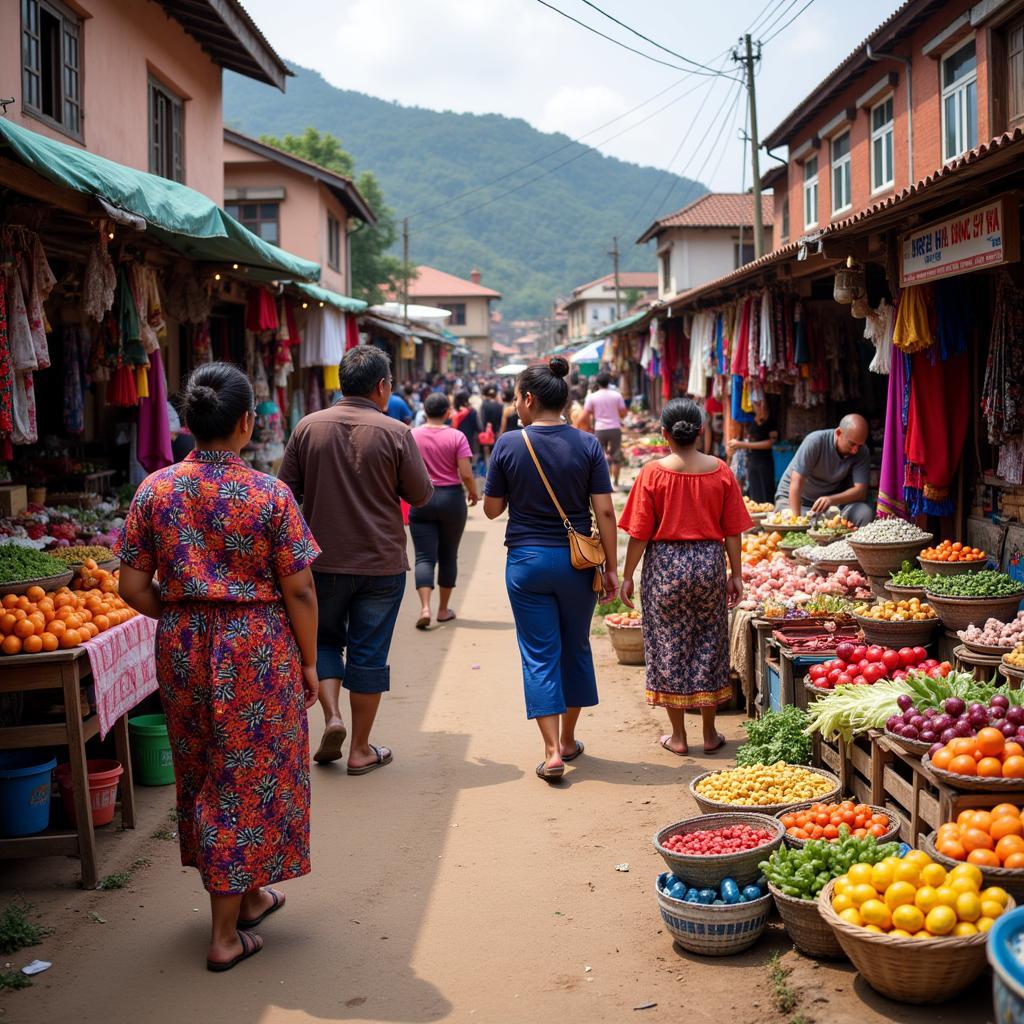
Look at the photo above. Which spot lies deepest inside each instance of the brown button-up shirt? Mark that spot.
(349, 466)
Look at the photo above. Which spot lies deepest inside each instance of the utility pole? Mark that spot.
(614, 253)
(747, 59)
(405, 270)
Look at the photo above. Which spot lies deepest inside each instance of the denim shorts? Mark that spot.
(357, 620)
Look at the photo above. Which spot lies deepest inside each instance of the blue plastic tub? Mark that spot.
(24, 792)
(1007, 970)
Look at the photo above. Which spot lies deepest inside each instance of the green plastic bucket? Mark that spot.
(151, 750)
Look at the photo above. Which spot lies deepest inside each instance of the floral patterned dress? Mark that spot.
(220, 535)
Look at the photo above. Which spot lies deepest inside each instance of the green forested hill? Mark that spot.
(531, 245)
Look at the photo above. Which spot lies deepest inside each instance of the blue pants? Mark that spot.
(552, 604)
(357, 615)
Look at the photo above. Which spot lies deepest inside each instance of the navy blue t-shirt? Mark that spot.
(575, 466)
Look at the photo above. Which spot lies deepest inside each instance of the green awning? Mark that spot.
(174, 214)
(621, 325)
(336, 299)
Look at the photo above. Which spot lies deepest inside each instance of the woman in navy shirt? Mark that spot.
(552, 602)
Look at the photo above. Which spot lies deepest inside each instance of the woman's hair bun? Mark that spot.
(559, 366)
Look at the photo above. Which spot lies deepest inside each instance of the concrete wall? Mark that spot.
(123, 43)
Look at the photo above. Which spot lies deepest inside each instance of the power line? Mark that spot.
(625, 46)
(788, 23)
(647, 39)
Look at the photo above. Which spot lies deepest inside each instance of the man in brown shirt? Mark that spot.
(349, 466)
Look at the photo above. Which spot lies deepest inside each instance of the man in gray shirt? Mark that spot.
(831, 467)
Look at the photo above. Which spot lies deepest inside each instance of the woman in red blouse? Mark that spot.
(680, 510)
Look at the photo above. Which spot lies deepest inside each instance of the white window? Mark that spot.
(881, 146)
(811, 192)
(841, 195)
(959, 101)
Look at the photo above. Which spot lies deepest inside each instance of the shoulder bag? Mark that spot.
(584, 552)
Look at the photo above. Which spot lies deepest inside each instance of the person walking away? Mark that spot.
(437, 527)
(235, 657)
(351, 466)
(606, 409)
(552, 602)
(761, 436)
(680, 510)
(398, 408)
(509, 416)
(830, 468)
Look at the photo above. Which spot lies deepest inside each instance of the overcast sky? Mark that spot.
(517, 57)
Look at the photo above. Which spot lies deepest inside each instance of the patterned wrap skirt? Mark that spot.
(686, 633)
(230, 677)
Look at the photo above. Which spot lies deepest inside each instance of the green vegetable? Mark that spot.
(776, 736)
(18, 563)
(803, 873)
(909, 576)
(986, 583)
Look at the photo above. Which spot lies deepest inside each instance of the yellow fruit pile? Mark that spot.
(914, 610)
(917, 898)
(763, 784)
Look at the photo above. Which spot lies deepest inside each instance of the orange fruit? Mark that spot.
(990, 741)
(1015, 860)
(33, 644)
(984, 858)
(71, 638)
(49, 642)
(963, 764)
(1013, 767)
(976, 839)
(1006, 825)
(990, 768)
(941, 758)
(11, 645)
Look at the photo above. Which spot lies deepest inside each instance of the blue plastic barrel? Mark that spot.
(24, 792)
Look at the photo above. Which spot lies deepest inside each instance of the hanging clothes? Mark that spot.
(913, 329)
(891, 480)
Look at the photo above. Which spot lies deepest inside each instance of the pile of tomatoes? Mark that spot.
(39, 622)
(989, 755)
(863, 665)
(713, 841)
(948, 551)
(823, 821)
(991, 838)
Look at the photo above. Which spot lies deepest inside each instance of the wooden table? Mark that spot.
(65, 671)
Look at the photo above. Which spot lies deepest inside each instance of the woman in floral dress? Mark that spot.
(236, 652)
(680, 511)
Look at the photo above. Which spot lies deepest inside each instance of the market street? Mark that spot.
(451, 886)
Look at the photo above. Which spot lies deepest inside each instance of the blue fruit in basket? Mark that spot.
(730, 891)
(750, 893)
(708, 896)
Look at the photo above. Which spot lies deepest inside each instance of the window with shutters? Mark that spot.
(51, 64)
(166, 132)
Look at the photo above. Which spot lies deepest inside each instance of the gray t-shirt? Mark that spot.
(824, 470)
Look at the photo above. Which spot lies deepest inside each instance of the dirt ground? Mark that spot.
(450, 886)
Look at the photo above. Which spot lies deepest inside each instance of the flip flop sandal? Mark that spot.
(678, 753)
(373, 765)
(250, 947)
(717, 746)
(550, 774)
(330, 744)
(276, 905)
(576, 753)
(423, 622)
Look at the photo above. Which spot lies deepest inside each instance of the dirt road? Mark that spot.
(449, 886)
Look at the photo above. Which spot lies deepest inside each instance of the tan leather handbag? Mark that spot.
(584, 552)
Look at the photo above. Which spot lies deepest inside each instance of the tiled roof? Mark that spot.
(431, 283)
(627, 279)
(714, 210)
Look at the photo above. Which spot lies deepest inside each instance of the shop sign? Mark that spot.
(985, 236)
(123, 663)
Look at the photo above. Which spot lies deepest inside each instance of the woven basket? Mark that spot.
(715, 807)
(916, 747)
(628, 642)
(810, 934)
(905, 593)
(936, 568)
(958, 613)
(715, 931)
(48, 583)
(908, 970)
(897, 634)
(705, 872)
(971, 783)
(885, 559)
(895, 824)
(1010, 879)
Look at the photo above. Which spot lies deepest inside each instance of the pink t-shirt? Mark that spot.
(604, 405)
(441, 448)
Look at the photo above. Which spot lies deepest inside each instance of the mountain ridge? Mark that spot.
(533, 244)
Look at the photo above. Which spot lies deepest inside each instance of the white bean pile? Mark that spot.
(995, 633)
(889, 531)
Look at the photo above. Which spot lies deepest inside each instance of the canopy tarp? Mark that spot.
(336, 299)
(174, 214)
(621, 325)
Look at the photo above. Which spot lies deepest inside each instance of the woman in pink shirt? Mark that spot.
(437, 527)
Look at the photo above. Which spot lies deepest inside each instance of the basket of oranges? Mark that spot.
(915, 931)
(986, 763)
(992, 839)
(950, 558)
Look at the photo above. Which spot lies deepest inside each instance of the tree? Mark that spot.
(374, 270)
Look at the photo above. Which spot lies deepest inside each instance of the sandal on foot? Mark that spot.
(423, 622)
(576, 753)
(330, 744)
(717, 746)
(678, 753)
(382, 759)
(278, 903)
(251, 945)
(550, 774)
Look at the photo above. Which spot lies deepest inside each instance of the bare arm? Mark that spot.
(140, 591)
(299, 594)
(604, 512)
(468, 480)
(734, 585)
